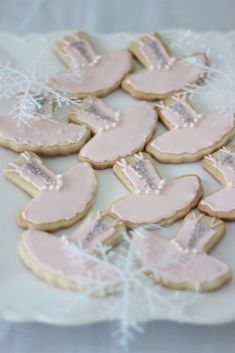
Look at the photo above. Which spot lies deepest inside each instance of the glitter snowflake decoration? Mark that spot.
(31, 85)
(133, 295)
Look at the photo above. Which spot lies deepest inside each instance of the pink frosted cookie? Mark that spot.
(72, 262)
(116, 134)
(153, 199)
(92, 74)
(163, 74)
(58, 200)
(221, 165)
(191, 135)
(182, 262)
(41, 134)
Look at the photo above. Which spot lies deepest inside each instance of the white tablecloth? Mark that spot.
(24, 16)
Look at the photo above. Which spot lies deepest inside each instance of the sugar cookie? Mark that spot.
(153, 199)
(163, 74)
(96, 74)
(42, 135)
(116, 134)
(71, 262)
(182, 262)
(58, 200)
(221, 203)
(191, 135)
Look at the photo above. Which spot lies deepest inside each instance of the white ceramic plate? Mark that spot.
(23, 297)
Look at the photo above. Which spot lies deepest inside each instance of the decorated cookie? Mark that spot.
(41, 134)
(163, 74)
(93, 74)
(191, 135)
(182, 262)
(221, 203)
(153, 199)
(116, 134)
(71, 262)
(58, 200)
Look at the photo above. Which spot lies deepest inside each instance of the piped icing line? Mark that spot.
(182, 261)
(79, 51)
(98, 116)
(36, 173)
(142, 175)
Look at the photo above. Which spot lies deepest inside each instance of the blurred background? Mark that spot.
(24, 16)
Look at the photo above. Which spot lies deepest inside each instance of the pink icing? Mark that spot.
(41, 132)
(110, 69)
(79, 52)
(194, 235)
(60, 258)
(164, 82)
(225, 165)
(36, 173)
(179, 113)
(153, 51)
(129, 135)
(208, 131)
(147, 183)
(93, 231)
(79, 184)
(221, 201)
(97, 115)
(169, 263)
(176, 195)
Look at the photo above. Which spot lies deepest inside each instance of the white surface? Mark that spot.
(25, 16)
